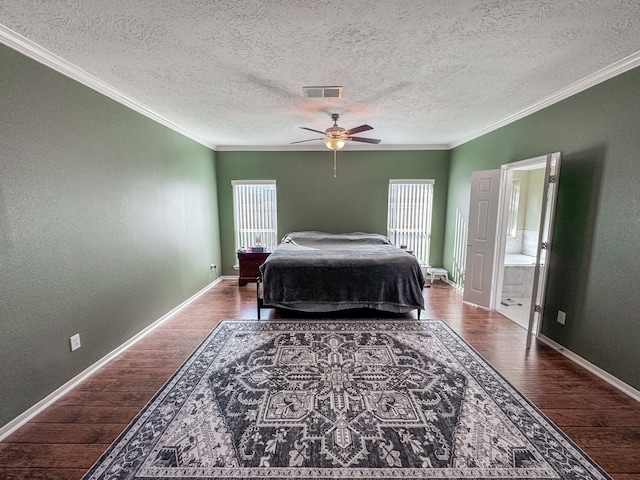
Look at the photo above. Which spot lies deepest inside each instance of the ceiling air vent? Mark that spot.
(322, 92)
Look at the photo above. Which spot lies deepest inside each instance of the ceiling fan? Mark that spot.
(336, 137)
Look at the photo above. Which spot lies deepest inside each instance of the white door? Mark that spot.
(481, 237)
(552, 173)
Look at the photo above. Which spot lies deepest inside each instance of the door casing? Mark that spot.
(546, 222)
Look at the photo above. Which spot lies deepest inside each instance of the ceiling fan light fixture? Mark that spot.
(335, 137)
(335, 143)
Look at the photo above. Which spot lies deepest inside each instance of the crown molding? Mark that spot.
(613, 70)
(34, 51)
(321, 148)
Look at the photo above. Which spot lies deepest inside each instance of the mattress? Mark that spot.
(319, 272)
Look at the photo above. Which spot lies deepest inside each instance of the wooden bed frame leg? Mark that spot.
(258, 282)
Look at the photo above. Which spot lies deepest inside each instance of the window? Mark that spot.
(514, 204)
(409, 216)
(254, 213)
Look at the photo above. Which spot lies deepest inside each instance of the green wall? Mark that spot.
(595, 257)
(310, 198)
(534, 199)
(108, 220)
(523, 176)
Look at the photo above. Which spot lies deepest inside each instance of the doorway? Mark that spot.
(521, 216)
(511, 214)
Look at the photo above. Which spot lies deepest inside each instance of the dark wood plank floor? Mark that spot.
(69, 436)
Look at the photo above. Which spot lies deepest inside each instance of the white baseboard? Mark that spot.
(23, 418)
(606, 376)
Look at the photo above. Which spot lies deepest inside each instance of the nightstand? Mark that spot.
(249, 263)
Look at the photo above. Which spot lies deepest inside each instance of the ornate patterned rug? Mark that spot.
(355, 399)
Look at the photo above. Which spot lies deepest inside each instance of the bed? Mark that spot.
(323, 272)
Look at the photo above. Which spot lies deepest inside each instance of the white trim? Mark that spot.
(39, 54)
(253, 182)
(613, 70)
(321, 148)
(24, 417)
(604, 375)
(36, 52)
(412, 181)
(532, 163)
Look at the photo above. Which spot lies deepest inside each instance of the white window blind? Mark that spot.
(254, 213)
(409, 216)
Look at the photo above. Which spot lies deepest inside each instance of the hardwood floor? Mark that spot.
(69, 436)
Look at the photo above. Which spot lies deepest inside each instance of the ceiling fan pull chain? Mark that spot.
(335, 153)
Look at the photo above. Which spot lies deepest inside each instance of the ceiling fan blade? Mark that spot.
(312, 130)
(361, 128)
(310, 140)
(365, 140)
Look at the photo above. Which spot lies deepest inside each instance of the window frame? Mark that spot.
(269, 240)
(422, 249)
(514, 207)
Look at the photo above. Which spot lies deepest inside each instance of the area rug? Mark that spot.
(355, 399)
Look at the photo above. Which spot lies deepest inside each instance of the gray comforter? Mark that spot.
(320, 272)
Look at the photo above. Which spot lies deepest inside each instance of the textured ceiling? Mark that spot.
(230, 73)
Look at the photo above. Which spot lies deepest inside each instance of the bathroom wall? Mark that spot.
(529, 208)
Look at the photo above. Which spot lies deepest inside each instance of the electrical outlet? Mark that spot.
(213, 267)
(75, 342)
(562, 317)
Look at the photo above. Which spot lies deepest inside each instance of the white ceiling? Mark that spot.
(423, 73)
